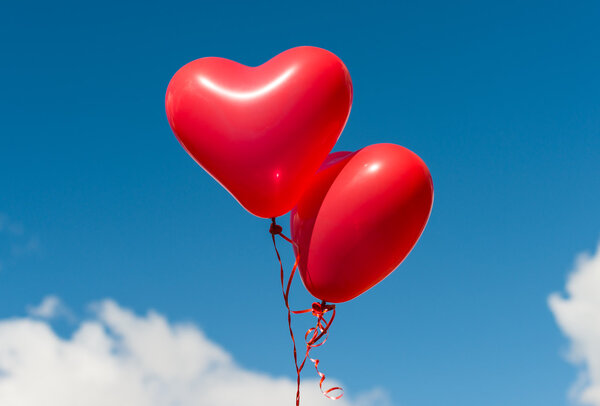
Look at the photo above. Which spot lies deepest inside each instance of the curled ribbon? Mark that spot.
(315, 336)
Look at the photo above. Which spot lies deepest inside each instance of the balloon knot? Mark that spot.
(275, 228)
(318, 309)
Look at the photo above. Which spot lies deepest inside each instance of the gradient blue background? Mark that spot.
(501, 100)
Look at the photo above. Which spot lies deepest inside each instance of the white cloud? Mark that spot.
(578, 315)
(119, 358)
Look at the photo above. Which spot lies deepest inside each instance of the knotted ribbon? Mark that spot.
(314, 336)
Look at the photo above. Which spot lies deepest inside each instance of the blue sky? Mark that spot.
(501, 100)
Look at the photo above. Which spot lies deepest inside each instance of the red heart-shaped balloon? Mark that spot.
(359, 219)
(263, 131)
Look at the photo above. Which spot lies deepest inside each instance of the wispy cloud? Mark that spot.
(15, 241)
(119, 358)
(10, 227)
(578, 315)
(51, 307)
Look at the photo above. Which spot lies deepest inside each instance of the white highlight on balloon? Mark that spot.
(373, 167)
(251, 94)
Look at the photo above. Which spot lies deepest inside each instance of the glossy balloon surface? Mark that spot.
(261, 132)
(359, 219)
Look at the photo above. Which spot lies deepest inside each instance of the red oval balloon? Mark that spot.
(359, 219)
(263, 131)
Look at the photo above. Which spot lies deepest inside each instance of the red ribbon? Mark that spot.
(315, 336)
